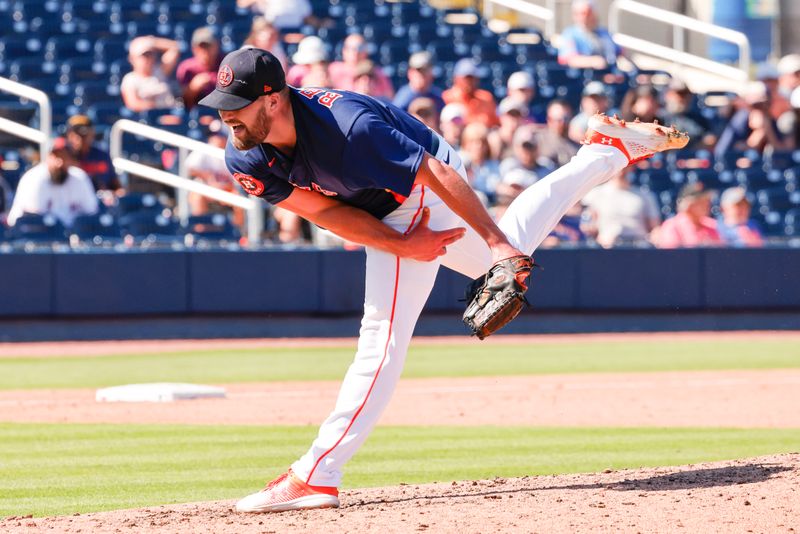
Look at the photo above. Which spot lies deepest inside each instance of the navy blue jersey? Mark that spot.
(349, 146)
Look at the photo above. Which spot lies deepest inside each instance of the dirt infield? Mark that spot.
(745, 399)
(755, 495)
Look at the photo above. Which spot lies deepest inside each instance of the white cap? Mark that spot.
(789, 64)
(767, 71)
(453, 111)
(756, 92)
(733, 195)
(521, 80)
(794, 100)
(511, 104)
(310, 50)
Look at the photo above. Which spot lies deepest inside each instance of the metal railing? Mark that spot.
(680, 23)
(40, 136)
(182, 184)
(546, 14)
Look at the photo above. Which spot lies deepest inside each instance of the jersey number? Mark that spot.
(326, 98)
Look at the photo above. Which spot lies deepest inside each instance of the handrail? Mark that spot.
(40, 136)
(254, 206)
(678, 53)
(547, 14)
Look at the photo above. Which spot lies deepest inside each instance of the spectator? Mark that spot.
(310, 67)
(554, 144)
(521, 87)
(619, 213)
(343, 73)
(594, 99)
(367, 82)
(778, 102)
(267, 37)
(5, 195)
(679, 111)
(483, 173)
(692, 226)
(522, 169)
(280, 13)
(788, 74)
(211, 171)
(153, 60)
(420, 82)
(511, 113)
(425, 110)
(197, 75)
(478, 103)
(584, 44)
(94, 161)
(56, 187)
(734, 225)
(452, 123)
(751, 127)
(642, 103)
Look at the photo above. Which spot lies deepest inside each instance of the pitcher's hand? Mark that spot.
(423, 244)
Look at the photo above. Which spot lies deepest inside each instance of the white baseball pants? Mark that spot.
(397, 288)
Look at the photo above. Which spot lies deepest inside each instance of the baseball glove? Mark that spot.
(494, 299)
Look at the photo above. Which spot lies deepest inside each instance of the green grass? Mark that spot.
(48, 469)
(423, 361)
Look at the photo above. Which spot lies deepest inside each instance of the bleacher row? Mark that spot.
(137, 220)
(76, 51)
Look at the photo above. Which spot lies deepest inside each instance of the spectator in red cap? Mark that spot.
(56, 187)
(479, 103)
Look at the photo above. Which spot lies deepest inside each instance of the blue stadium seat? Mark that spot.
(37, 229)
(792, 222)
(150, 226)
(96, 229)
(215, 226)
(89, 92)
(137, 202)
(66, 46)
(778, 199)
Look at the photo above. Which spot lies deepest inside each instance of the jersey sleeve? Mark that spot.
(255, 179)
(378, 156)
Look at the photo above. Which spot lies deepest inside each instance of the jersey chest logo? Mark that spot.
(317, 188)
(251, 185)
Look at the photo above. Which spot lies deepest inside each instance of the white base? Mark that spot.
(158, 392)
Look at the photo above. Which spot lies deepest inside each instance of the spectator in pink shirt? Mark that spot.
(692, 226)
(735, 226)
(344, 73)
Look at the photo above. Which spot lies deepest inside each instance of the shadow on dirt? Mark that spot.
(680, 480)
(703, 478)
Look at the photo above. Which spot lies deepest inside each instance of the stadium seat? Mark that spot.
(95, 229)
(216, 226)
(137, 202)
(37, 229)
(792, 222)
(777, 199)
(147, 226)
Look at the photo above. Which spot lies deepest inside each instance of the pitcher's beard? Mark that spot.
(254, 137)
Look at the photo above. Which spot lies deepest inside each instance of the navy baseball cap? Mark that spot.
(243, 77)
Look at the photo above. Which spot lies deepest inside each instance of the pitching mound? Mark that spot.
(755, 495)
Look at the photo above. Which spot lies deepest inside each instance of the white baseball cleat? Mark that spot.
(637, 140)
(288, 492)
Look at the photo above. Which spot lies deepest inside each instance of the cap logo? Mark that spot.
(225, 76)
(267, 89)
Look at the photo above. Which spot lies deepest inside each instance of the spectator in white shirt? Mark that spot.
(281, 13)
(56, 187)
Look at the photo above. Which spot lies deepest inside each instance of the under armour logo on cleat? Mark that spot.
(606, 141)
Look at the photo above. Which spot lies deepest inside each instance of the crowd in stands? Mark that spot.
(513, 120)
